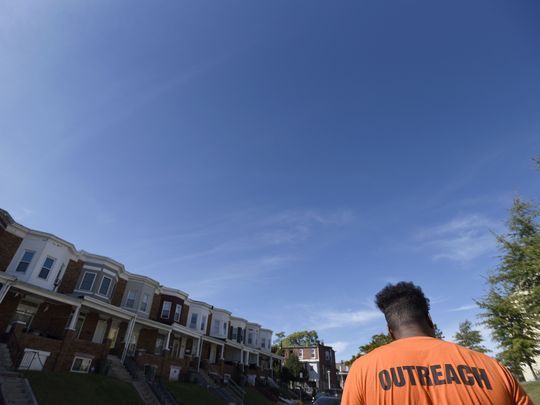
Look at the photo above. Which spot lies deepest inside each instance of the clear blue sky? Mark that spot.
(282, 159)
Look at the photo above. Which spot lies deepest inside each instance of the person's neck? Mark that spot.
(408, 332)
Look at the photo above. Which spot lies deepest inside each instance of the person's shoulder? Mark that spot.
(470, 352)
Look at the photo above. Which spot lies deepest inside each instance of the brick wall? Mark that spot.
(7, 309)
(71, 276)
(184, 315)
(118, 293)
(147, 340)
(89, 326)
(9, 244)
(52, 319)
(156, 305)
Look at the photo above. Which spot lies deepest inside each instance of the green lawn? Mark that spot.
(533, 389)
(193, 394)
(81, 389)
(254, 397)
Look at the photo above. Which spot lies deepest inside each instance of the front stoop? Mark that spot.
(119, 371)
(14, 389)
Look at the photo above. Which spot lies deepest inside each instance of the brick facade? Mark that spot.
(9, 244)
(119, 288)
(7, 310)
(51, 319)
(71, 276)
(156, 307)
(147, 340)
(184, 315)
(89, 326)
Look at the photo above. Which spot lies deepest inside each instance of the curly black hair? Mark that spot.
(402, 303)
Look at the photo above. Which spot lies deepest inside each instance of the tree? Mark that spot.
(301, 338)
(512, 305)
(293, 367)
(468, 337)
(376, 341)
(438, 332)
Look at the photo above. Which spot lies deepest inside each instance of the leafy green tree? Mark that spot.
(293, 367)
(438, 332)
(512, 305)
(468, 337)
(376, 341)
(301, 338)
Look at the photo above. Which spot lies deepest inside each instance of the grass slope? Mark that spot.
(193, 394)
(81, 389)
(533, 389)
(254, 397)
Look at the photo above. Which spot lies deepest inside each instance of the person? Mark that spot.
(417, 368)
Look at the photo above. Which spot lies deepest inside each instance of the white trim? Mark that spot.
(84, 359)
(93, 282)
(108, 288)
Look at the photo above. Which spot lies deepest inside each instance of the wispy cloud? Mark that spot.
(461, 239)
(340, 346)
(341, 319)
(463, 308)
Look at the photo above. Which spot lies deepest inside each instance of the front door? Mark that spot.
(99, 334)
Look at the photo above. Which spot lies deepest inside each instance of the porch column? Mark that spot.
(168, 340)
(222, 353)
(257, 359)
(75, 316)
(271, 367)
(4, 290)
(127, 337)
(199, 352)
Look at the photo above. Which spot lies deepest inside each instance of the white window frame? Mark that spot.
(177, 312)
(301, 354)
(91, 289)
(203, 322)
(193, 320)
(108, 288)
(313, 353)
(49, 269)
(28, 263)
(134, 295)
(145, 302)
(169, 307)
(84, 359)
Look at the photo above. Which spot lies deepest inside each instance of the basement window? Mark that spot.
(81, 365)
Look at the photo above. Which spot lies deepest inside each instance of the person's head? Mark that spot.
(406, 310)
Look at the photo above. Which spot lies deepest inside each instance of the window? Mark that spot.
(203, 322)
(250, 337)
(105, 286)
(215, 327)
(263, 343)
(160, 342)
(46, 268)
(327, 355)
(144, 302)
(301, 354)
(88, 281)
(193, 321)
(234, 334)
(81, 365)
(224, 328)
(25, 261)
(313, 353)
(177, 312)
(166, 310)
(130, 300)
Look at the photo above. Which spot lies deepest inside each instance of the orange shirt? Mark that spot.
(425, 370)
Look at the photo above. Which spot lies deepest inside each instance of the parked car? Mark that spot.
(326, 400)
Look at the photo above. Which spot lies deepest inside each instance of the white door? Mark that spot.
(99, 334)
(174, 374)
(33, 360)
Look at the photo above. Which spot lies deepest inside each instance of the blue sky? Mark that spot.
(282, 159)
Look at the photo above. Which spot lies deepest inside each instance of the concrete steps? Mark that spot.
(118, 371)
(14, 389)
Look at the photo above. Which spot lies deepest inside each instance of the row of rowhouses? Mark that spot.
(65, 309)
